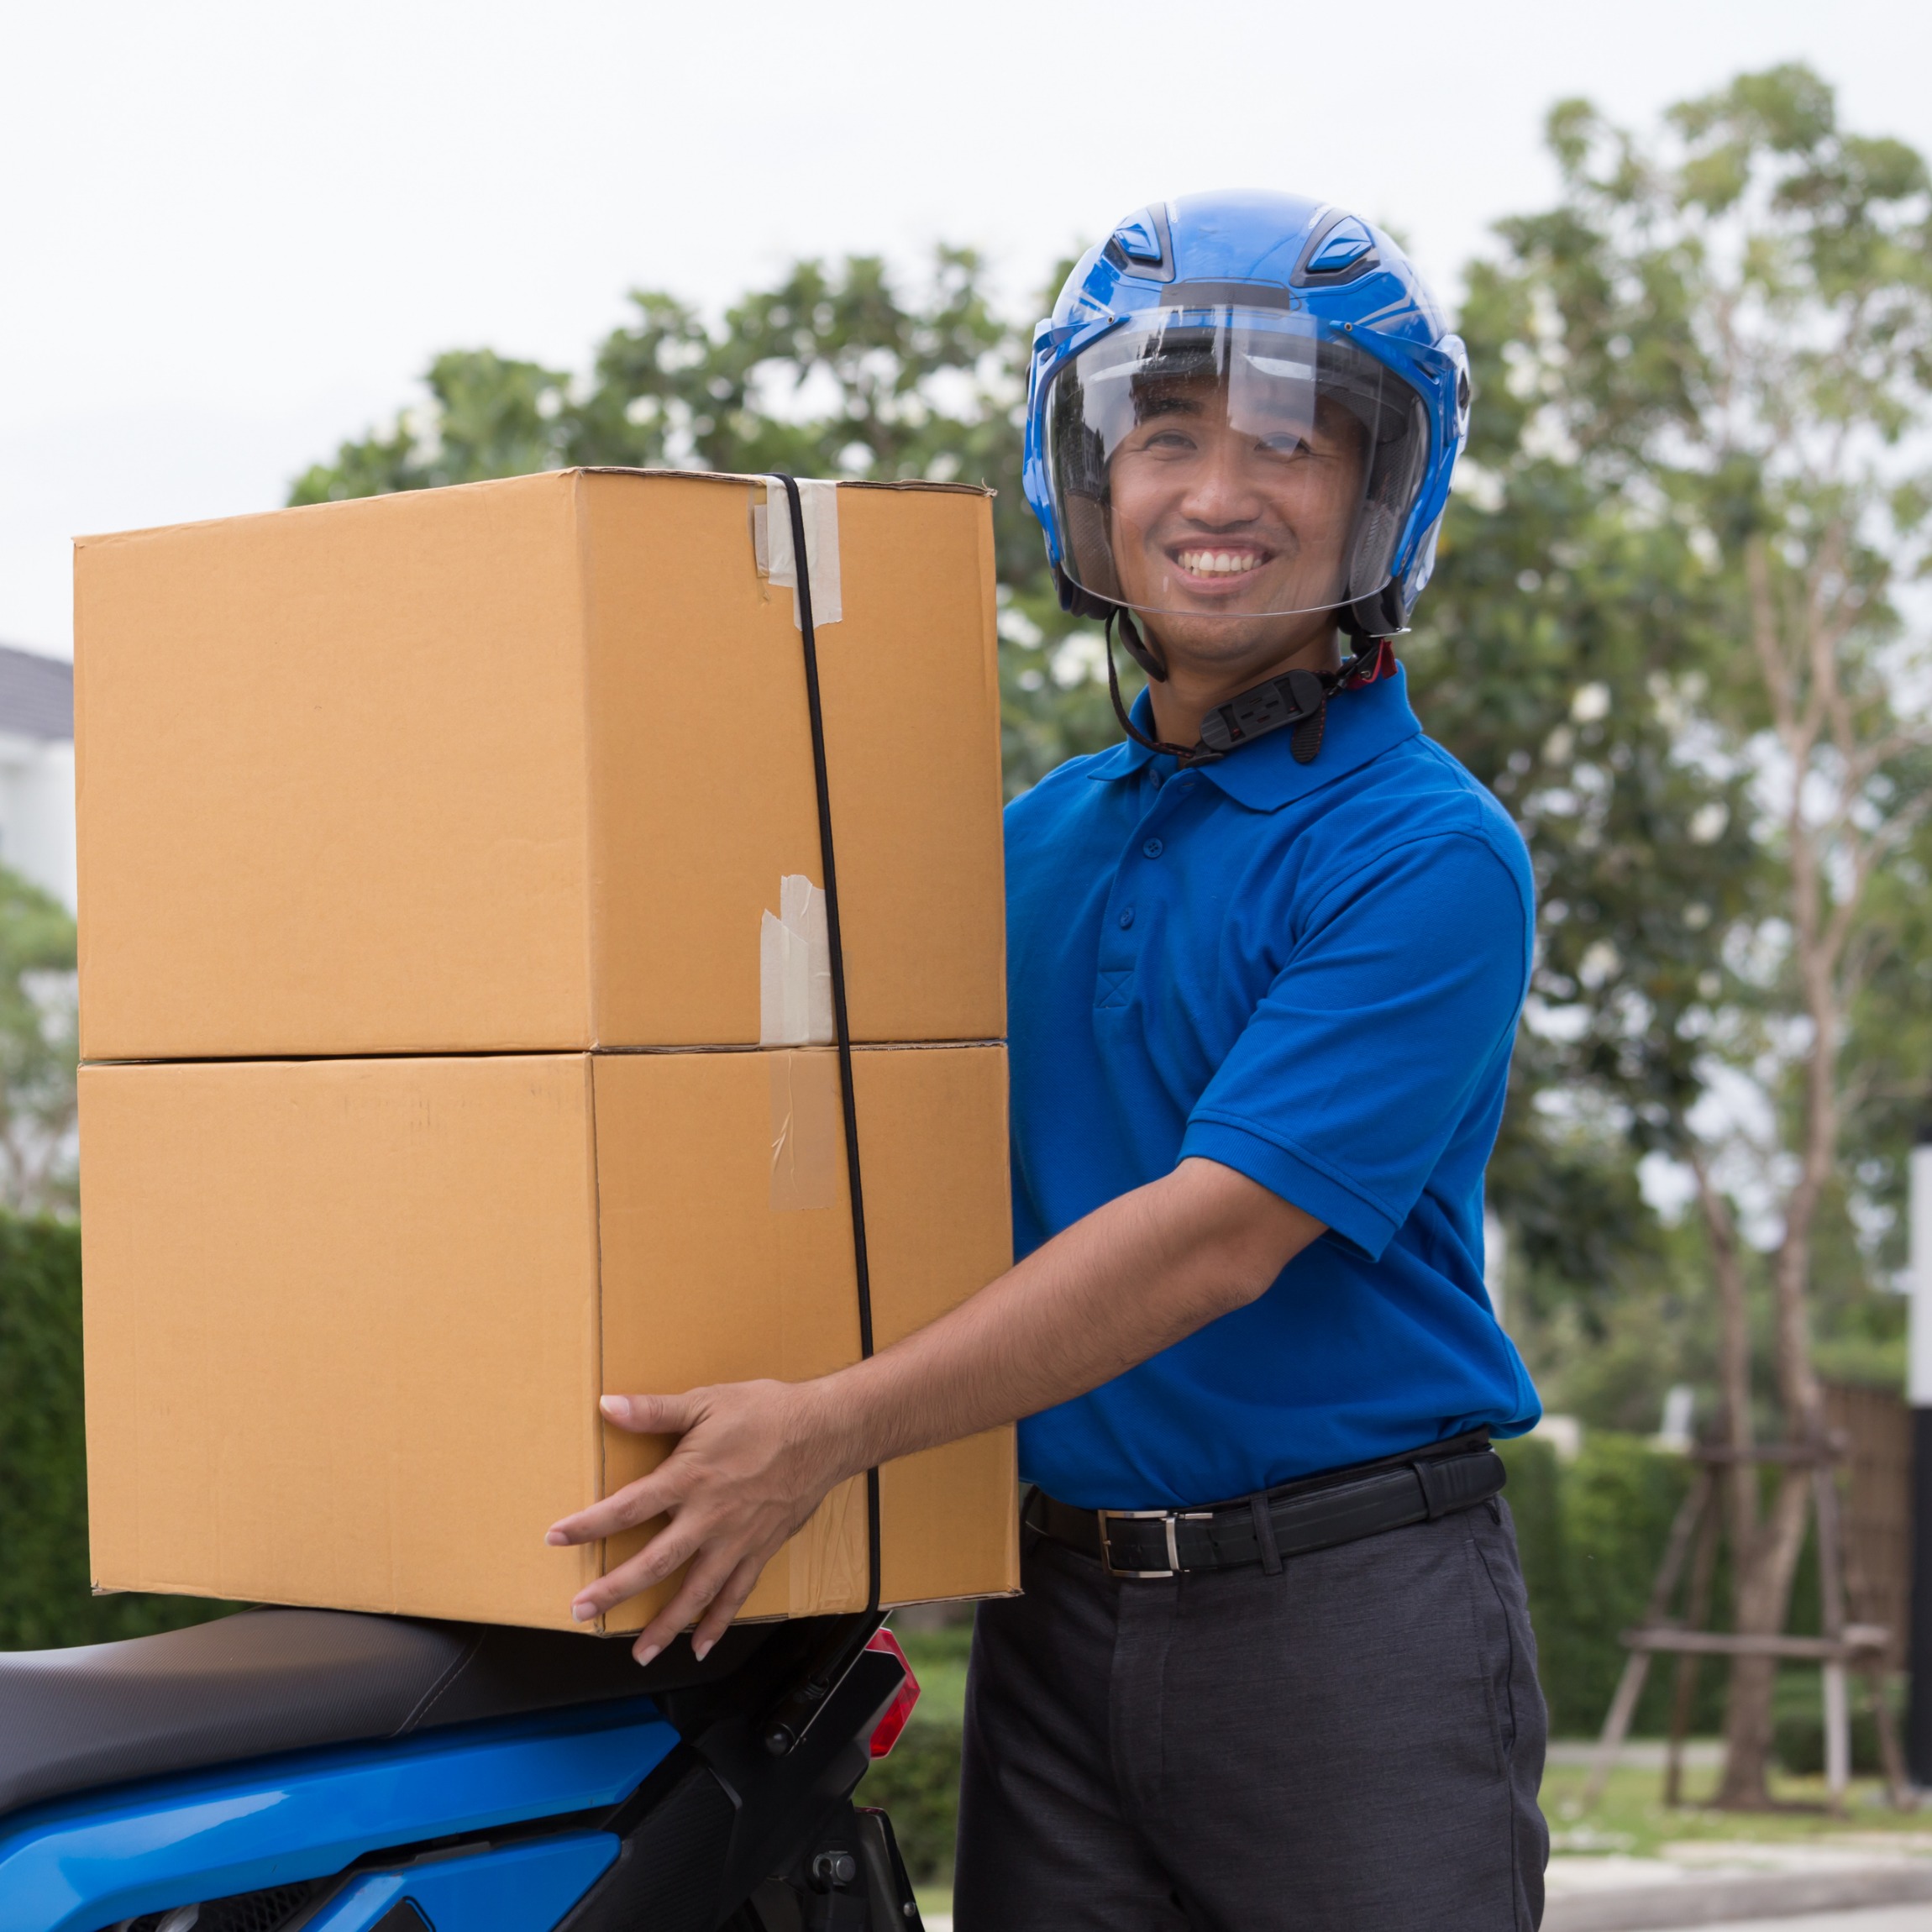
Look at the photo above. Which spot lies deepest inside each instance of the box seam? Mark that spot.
(531, 1052)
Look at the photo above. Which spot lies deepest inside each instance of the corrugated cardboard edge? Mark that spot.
(569, 475)
(761, 478)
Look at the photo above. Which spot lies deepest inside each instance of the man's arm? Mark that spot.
(754, 1459)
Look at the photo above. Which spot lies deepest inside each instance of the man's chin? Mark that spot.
(1224, 636)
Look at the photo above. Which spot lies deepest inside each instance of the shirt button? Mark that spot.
(1126, 917)
(1153, 848)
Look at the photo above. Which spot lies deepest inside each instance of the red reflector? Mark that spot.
(900, 1709)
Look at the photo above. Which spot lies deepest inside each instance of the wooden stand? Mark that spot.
(1843, 1648)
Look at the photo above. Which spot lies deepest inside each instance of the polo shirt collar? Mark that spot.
(1263, 776)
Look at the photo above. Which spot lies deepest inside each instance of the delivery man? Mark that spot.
(1272, 1666)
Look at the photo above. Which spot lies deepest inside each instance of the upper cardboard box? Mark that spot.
(521, 766)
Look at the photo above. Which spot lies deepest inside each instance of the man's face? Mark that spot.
(1221, 530)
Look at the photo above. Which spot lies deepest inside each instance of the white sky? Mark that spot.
(232, 235)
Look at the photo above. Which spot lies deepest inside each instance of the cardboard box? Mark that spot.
(520, 766)
(347, 1320)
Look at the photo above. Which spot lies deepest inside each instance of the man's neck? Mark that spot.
(1194, 687)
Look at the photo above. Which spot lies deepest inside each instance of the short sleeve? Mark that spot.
(1397, 1008)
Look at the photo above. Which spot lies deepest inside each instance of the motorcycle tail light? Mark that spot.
(886, 1735)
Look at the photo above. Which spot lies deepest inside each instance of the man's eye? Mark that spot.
(1169, 441)
(1285, 445)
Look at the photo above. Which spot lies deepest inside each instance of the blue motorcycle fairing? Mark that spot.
(81, 1862)
(519, 1888)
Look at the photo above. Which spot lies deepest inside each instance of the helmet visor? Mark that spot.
(1232, 462)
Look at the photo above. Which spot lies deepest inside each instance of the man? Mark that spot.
(1272, 1666)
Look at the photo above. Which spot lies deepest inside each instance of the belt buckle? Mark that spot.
(1170, 1517)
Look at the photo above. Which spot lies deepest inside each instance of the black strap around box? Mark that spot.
(841, 1026)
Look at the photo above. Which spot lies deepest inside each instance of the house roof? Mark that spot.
(36, 695)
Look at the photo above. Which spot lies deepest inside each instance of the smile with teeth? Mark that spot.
(1218, 563)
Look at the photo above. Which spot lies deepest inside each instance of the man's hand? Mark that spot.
(753, 1461)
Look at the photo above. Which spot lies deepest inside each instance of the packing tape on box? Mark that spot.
(795, 968)
(806, 1138)
(826, 1561)
(771, 544)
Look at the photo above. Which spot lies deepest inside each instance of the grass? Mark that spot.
(1632, 1817)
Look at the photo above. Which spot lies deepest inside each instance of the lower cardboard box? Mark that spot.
(347, 1320)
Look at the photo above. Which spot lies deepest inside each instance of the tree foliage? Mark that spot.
(1705, 371)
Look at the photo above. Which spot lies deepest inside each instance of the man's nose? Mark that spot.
(1221, 490)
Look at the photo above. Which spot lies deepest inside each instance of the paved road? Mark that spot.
(1879, 1918)
(1874, 1918)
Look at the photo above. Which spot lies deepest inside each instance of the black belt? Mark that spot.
(1316, 1513)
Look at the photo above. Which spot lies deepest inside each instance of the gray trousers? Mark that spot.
(1354, 1744)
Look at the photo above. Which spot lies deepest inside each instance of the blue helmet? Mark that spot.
(1315, 331)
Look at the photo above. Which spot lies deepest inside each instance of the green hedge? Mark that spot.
(1592, 1533)
(45, 1599)
(919, 1785)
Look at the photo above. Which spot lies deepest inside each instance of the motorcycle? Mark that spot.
(319, 1771)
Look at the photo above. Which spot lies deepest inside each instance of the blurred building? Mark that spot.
(37, 769)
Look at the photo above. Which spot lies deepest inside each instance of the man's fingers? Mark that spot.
(650, 1496)
(635, 1504)
(725, 1606)
(707, 1575)
(731, 1489)
(651, 1415)
(665, 1552)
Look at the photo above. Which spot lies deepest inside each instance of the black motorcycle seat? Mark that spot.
(278, 1680)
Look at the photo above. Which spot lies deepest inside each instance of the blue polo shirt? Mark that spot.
(1312, 975)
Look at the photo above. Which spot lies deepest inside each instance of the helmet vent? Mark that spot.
(1138, 239)
(1339, 251)
(1141, 245)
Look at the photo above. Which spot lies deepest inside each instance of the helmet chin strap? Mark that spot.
(1140, 646)
(1296, 698)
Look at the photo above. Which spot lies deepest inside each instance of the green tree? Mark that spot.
(1706, 369)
